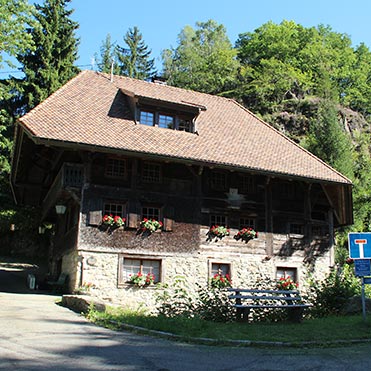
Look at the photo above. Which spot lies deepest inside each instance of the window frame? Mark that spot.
(118, 175)
(165, 116)
(216, 182)
(151, 215)
(145, 120)
(216, 217)
(214, 270)
(243, 224)
(148, 179)
(246, 184)
(284, 269)
(109, 211)
(123, 278)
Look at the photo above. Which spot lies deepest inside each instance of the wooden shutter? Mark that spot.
(168, 224)
(95, 217)
(133, 220)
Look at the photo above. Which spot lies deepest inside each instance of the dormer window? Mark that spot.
(147, 118)
(166, 119)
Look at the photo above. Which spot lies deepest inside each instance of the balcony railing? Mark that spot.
(70, 176)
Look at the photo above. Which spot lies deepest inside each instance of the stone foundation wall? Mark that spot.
(248, 262)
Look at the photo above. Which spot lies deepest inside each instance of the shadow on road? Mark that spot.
(14, 273)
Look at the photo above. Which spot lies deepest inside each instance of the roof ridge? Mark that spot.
(291, 141)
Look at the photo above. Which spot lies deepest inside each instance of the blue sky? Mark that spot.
(161, 21)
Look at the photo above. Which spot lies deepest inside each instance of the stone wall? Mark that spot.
(248, 261)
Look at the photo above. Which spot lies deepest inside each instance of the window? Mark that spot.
(285, 272)
(151, 173)
(246, 184)
(166, 122)
(296, 228)
(116, 167)
(147, 118)
(218, 181)
(114, 209)
(185, 125)
(319, 230)
(218, 220)
(133, 266)
(220, 268)
(151, 213)
(247, 223)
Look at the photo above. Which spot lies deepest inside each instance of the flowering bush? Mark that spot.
(150, 225)
(113, 221)
(217, 231)
(286, 283)
(142, 280)
(218, 281)
(246, 234)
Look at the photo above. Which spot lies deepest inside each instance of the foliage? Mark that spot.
(246, 234)
(142, 280)
(204, 59)
(217, 231)
(317, 330)
(328, 141)
(15, 17)
(150, 225)
(135, 62)
(174, 299)
(331, 294)
(51, 65)
(287, 283)
(219, 281)
(107, 57)
(214, 304)
(113, 221)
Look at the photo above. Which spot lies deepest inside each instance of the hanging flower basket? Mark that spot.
(246, 234)
(112, 222)
(150, 225)
(142, 280)
(217, 232)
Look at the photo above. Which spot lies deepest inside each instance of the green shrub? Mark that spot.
(331, 295)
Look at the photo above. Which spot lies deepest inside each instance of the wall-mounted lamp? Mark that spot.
(60, 209)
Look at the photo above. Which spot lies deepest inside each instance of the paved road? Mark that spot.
(37, 334)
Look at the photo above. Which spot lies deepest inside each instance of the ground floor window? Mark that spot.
(218, 220)
(132, 266)
(284, 272)
(220, 268)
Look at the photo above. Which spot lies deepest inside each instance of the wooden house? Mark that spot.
(110, 145)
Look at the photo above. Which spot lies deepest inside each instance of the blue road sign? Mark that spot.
(359, 245)
(362, 267)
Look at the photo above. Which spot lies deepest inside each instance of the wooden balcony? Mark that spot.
(69, 179)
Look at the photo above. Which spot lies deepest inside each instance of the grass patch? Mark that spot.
(320, 330)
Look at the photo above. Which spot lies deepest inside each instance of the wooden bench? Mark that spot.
(246, 299)
(61, 284)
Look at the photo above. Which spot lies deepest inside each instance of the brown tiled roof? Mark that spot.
(91, 110)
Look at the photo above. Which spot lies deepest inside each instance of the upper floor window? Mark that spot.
(217, 219)
(185, 125)
(247, 223)
(150, 212)
(165, 121)
(147, 118)
(218, 181)
(246, 184)
(112, 208)
(116, 167)
(151, 173)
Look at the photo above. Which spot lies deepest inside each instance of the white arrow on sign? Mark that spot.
(360, 243)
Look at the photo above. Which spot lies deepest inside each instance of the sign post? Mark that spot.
(360, 251)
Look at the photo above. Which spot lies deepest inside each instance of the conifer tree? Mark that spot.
(52, 63)
(135, 61)
(107, 57)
